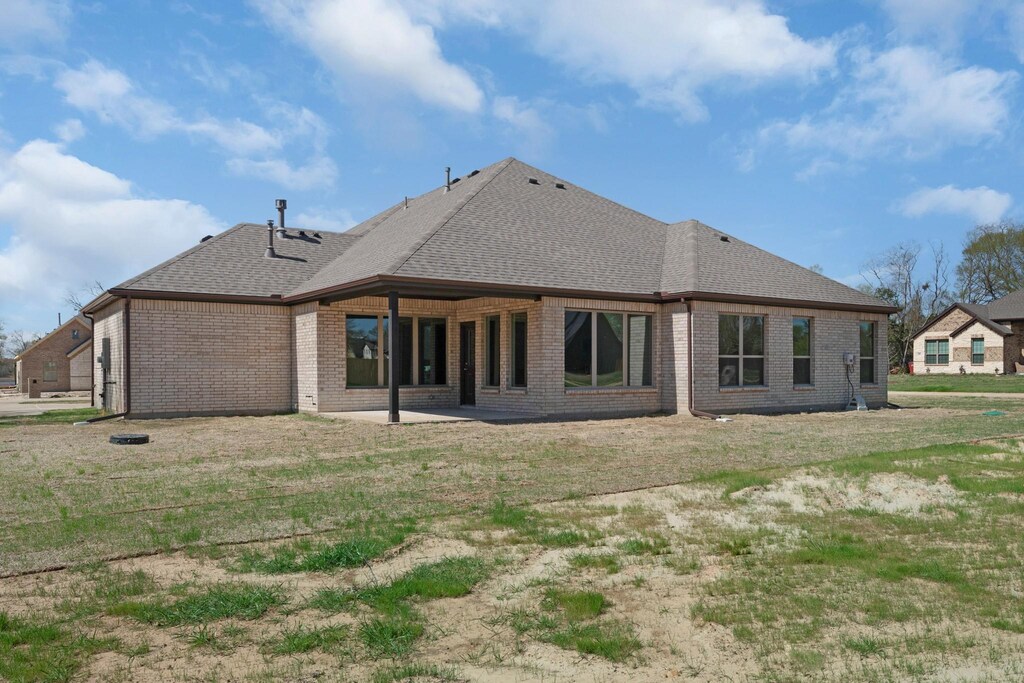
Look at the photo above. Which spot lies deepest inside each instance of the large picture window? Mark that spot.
(422, 362)
(867, 353)
(607, 349)
(936, 352)
(802, 351)
(518, 353)
(740, 350)
(50, 371)
(978, 351)
(492, 351)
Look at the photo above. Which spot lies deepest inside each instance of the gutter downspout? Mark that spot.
(92, 359)
(127, 355)
(689, 353)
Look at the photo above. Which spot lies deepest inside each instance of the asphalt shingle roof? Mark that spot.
(508, 224)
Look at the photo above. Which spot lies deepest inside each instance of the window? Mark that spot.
(977, 351)
(740, 350)
(640, 350)
(74, 334)
(433, 354)
(363, 351)
(50, 371)
(607, 349)
(867, 353)
(518, 355)
(936, 352)
(802, 351)
(492, 351)
(366, 339)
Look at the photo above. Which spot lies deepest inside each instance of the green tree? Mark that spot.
(992, 264)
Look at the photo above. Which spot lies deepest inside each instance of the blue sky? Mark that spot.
(823, 131)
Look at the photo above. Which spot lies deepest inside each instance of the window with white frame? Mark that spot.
(740, 350)
(978, 351)
(608, 349)
(867, 353)
(802, 330)
(422, 344)
(936, 352)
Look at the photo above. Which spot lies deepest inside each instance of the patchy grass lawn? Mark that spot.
(65, 416)
(831, 547)
(977, 382)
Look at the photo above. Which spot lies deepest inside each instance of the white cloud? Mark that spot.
(981, 204)
(941, 19)
(32, 21)
(666, 51)
(333, 220)
(72, 222)
(1015, 27)
(908, 101)
(376, 45)
(69, 130)
(526, 126)
(253, 149)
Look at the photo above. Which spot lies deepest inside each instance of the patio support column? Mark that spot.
(393, 359)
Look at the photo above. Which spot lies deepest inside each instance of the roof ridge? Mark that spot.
(174, 259)
(450, 214)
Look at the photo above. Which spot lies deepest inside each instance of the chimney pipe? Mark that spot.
(58, 318)
(270, 253)
(281, 205)
(447, 178)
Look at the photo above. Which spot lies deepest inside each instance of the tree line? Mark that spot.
(991, 266)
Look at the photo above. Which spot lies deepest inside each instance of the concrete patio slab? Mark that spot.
(434, 415)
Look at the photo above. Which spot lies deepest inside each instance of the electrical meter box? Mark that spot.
(849, 359)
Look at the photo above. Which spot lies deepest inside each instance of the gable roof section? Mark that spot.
(979, 313)
(508, 227)
(1010, 307)
(232, 264)
(79, 318)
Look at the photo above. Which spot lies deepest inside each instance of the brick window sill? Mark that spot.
(742, 390)
(804, 387)
(610, 390)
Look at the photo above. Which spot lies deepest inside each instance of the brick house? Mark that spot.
(60, 361)
(969, 338)
(512, 290)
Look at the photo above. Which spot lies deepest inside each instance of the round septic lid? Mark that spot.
(129, 439)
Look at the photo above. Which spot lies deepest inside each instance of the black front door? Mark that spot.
(467, 364)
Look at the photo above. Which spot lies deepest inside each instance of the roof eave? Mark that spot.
(779, 301)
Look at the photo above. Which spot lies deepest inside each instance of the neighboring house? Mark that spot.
(512, 290)
(60, 361)
(973, 338)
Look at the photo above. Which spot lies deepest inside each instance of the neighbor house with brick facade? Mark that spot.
(968, 338)
(508, 289)
(60, 361)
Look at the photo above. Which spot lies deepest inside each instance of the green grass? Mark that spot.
(39, 651)
(448, 578)
(390, 636)
(52, 417)
(612, 640)
(102, 587)
(239, 601)
(300, 640)
(530, 526)
(575, 605)
(609, 563)
(304, 556)
(974, 382)
(653, 545)
(415, 671)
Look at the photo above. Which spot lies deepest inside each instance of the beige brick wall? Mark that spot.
(834, 332)
(52, 349)
(195, 358)
(108, 323)
(959, 347)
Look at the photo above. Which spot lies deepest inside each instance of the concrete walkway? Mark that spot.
(433, 415)
(20, 404)
(966, 394)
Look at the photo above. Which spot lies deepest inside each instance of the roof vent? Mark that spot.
(270, 253)
(455, 180)
(317, 235)
(560, 186)
(534, 181)
(723, 238)
(473, 173)
(302, 233)
(208, 237)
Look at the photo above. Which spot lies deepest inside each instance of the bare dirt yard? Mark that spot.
(874, 546)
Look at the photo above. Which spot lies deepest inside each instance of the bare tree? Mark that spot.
(85, 294)
(894, 277)
(18, 341)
